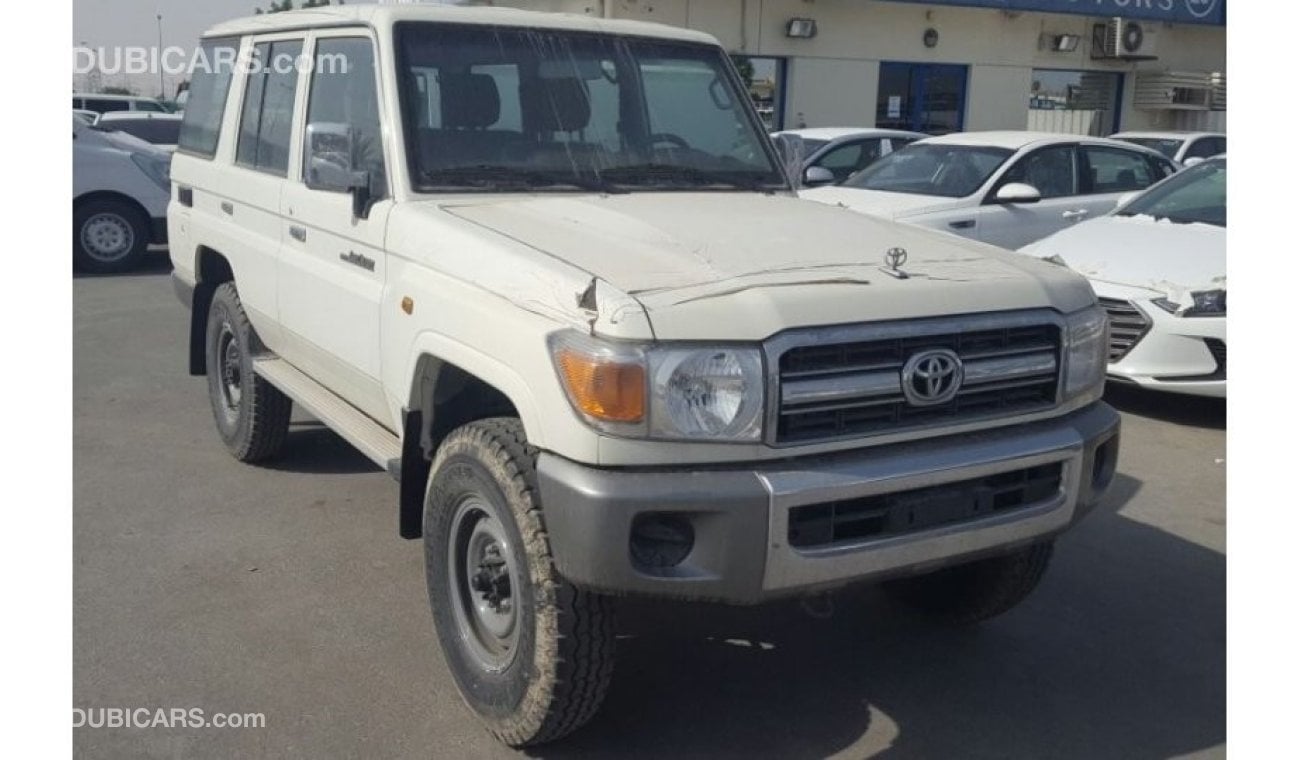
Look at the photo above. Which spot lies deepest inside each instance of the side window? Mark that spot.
(1117, 171)
(1206, 147)
(108, 106)
(849, 158)
(1051, 171)
(149, 105)
(895, 143)
(343, 92)
(266, 120)
(201, 125)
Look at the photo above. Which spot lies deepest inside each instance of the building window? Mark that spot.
(765, 80)
(1074, 102)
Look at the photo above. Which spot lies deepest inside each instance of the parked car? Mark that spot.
(1183, 148)
(90, 117)
(842, 151)
(109, 103)
(561, 288)
(1004, 188)
(1159, 265)
(160, 129)
(120, 189)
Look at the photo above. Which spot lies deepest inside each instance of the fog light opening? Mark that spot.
(1104, 460)
(660, 540)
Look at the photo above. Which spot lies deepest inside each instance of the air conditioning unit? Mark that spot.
(1124, 39)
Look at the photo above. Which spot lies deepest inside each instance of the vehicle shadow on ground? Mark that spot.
(1193, 411)
(155, 263)
(314, 449)
(1119, 654)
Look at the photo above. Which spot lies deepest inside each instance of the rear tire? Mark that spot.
(976, 591)
(252, 415)
(532, 655)
(108, 236)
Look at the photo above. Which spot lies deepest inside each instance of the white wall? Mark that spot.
(829, 92)
(997, 97)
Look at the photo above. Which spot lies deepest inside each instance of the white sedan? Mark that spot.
(1004, 188)
(1183, 148)
(1159, 266)
(844, 151)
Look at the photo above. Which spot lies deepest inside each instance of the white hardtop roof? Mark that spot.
(1166, 135)
(125, 115)
(381, 16)
(835, 133)
(1017, 139)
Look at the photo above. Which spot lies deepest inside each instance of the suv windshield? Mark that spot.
(1199, 194)
(951, 171)
(505, 109)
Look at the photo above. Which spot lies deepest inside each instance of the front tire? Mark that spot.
(108, 236)
(976, 591)
(532, 655)
(252, 415)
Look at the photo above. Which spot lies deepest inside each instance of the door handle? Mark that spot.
(963, 224)
(228, 207)
(1077, 213)
(298, 233)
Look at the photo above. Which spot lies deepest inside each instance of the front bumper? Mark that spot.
(740, 517)
(1177, 354)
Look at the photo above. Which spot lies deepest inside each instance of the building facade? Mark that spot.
(1083, 66)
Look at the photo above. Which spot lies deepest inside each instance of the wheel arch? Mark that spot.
(110, 195)
(450, 388)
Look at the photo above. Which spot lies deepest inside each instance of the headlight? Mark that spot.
(1205, 303)
(705, 393)
(155, 168)
(1087, 337)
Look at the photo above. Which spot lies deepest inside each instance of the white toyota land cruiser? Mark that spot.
(549, 272)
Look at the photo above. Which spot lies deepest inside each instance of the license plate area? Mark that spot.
(911, 511)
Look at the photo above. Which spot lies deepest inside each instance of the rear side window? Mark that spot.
(1117, 171)
(107, 106)
(207, 101)
(266, 120)
(1206, 147)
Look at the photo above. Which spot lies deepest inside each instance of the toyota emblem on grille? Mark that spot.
(932, 377)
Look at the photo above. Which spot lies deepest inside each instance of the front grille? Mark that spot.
(1127, 326)
(905, 512)
(854, 388)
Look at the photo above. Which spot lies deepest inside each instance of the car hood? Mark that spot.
(746, 265)
(880, 203)
(1141, 252)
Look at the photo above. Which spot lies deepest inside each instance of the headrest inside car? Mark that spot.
(469, 101)
(555, 105)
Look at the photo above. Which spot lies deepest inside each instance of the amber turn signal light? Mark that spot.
(601, 388)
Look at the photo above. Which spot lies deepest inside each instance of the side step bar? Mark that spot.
(368, 436)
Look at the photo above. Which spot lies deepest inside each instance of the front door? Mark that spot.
(921, 97)
(332, 269)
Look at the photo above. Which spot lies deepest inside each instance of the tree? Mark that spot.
(745, 68)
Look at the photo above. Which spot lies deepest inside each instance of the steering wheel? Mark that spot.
(668, 137)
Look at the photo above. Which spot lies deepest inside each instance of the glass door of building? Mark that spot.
(921, 97)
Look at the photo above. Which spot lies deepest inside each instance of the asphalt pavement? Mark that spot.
(285, 590)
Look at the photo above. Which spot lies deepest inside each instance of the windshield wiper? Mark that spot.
(490, 176)
(691, 176)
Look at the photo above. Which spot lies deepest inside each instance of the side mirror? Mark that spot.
(1193, 161)
(816, 176)
(790, 149)
(1018, 192)
(329, 166)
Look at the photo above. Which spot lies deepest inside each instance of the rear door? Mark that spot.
(1109, 173)
(332, 267)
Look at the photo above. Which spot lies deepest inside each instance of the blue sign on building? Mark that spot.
(1180, 11)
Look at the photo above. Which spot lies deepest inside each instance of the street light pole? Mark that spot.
(162, 87)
